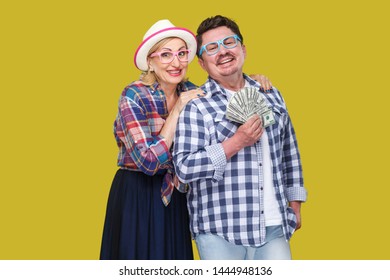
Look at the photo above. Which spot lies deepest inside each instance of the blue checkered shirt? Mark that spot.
(226, 196)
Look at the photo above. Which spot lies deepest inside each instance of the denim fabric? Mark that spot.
(214, 247)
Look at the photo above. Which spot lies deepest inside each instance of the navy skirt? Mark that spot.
(139, 227)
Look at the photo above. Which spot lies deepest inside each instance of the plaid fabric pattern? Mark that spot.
(226, 197)
(142, 111)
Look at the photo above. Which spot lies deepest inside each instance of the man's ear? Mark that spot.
(201, 63)
(244, 50)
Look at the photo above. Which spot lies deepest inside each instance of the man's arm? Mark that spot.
(194, 157)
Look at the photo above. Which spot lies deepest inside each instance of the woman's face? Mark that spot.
(175, 71)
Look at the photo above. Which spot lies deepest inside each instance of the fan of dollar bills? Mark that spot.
(247, 102)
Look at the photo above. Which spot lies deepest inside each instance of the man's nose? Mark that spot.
(222, 49)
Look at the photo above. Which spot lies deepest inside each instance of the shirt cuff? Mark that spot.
(296, 194)
(218, 158)
(161, 150)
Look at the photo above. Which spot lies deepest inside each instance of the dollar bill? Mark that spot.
(247, 102)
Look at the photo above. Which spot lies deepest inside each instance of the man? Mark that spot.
(246, 184)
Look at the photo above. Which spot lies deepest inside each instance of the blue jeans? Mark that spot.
(213, 247)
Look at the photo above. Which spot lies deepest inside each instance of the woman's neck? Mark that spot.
(170, 96)
(169, 89)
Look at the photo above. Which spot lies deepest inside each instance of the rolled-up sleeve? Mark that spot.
(217, 156)
(291, 163)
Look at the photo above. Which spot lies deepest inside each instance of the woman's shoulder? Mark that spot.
(135, 90)
(137, 86)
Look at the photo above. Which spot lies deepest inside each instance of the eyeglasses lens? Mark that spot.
(167, 57)
(229, 43)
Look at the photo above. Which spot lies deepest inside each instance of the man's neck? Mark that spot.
(233, 83)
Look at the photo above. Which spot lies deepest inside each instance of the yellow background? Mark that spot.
(65, 63)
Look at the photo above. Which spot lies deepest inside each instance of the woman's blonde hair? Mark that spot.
(149, 77)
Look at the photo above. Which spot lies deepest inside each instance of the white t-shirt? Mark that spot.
(271, 206)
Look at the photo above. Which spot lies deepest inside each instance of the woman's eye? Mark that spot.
(166, 54)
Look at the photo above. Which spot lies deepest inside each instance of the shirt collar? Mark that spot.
(212, 87)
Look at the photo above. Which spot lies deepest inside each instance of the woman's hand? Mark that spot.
(265, 83)
(169, 128)
(186, 96)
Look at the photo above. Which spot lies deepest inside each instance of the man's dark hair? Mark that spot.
(214, 22)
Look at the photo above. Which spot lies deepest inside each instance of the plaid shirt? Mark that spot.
(141, 115)
(226, 196)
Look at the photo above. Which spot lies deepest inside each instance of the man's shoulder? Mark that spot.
(206, 105)
(204, 101)
(189, 85)
(274, 94)
(275, 99)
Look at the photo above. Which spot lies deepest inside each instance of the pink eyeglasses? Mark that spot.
(168, 56)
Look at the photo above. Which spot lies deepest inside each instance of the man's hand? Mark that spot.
(246, 135)
(250, 132)
(296, 206)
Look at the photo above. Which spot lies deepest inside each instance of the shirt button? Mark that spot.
(261, 188)
(262, 212)
(260, 164)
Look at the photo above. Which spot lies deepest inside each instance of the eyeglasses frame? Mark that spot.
(219, 42)
(175, 54)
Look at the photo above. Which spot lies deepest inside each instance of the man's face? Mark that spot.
(227, 61)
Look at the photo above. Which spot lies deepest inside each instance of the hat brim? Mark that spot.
(140, 56)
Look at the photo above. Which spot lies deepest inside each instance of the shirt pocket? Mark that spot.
(224, 129)
(278, 128)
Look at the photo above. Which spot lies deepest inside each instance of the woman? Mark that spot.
(146, 214)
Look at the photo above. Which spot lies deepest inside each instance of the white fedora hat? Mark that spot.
(160, 30)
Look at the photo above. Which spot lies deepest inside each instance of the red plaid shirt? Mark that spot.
(142, 111)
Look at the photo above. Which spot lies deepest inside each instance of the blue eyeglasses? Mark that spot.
(228, 42)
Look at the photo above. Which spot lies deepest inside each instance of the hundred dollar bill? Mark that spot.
(268, 118)
(247, 102)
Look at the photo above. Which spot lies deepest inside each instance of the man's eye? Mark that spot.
(212, 47)
(229, 41)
